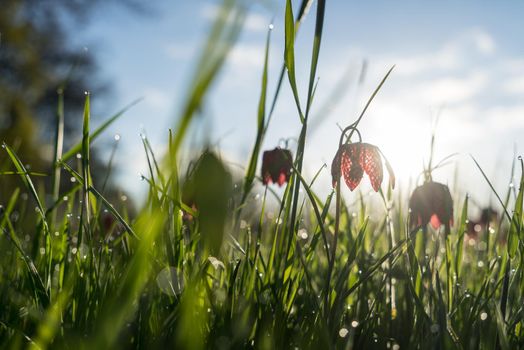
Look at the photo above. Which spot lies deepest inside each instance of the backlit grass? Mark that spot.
(208, 262)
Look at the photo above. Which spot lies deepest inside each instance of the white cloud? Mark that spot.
(505, 118)
(248, 55)
(157, 98)
(514, 86)
(456, 54)
(485, 42)
(178, 51)
(450, 89)
(254, 22)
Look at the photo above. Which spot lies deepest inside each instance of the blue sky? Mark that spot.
(464, 59)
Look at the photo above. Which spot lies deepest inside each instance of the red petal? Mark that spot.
(371, 162)
(350, 167)
(281, 179)
(435, 221)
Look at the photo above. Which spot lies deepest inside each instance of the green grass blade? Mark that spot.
(517, 225)
(460, 238)
(225, 31)
(251, 169)
(321, 5)
(289, 55)
(94, 135)
(98, 195)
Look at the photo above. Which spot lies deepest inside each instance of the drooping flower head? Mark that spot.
(353, 159)
(276, 166)
(431, 203)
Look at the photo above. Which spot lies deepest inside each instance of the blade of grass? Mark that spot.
(224, 34)
(94, 135)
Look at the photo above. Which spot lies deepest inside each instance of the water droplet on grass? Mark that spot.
(343, 332)
(302, 233)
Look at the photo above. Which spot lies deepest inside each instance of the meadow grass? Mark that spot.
(206, 263)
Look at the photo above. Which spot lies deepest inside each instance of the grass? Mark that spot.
(207, 264)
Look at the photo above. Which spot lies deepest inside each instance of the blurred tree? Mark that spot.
(37, 58)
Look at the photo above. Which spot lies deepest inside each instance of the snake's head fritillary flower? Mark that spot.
(276, 166)
(353, 159)
(431, 203)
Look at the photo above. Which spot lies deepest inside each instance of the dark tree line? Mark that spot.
(37, 58)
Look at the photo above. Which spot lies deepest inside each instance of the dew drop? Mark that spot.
(117, 137)
(302, 233)
(343, 332)
(271, 26)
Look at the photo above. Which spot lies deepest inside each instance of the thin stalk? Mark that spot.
(59, 143)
